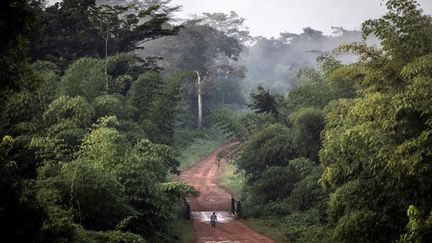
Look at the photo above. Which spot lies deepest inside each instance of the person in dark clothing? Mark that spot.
(213, 219)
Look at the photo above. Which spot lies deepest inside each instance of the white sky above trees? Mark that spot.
(270, 17)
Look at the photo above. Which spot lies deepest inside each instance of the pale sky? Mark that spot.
(270, 17)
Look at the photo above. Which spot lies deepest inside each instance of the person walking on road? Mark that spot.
(213, 219)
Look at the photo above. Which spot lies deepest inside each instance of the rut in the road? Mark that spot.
(213, 198)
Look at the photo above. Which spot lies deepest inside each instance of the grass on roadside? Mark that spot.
(188, 234)
(268, 227)
(199, 148)
(231, 180)
(296, 227)
(234, 182)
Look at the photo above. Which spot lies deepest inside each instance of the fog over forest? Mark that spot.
(274, 63)
(269, 62)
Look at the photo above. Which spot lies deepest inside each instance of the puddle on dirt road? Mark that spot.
(216, 240)
(204, 216)
(224, 241)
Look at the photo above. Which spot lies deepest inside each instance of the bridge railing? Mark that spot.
(187, 209)
(236, 207)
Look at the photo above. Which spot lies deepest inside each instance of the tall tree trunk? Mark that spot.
(106, 59)
(199, 88)
(223, 87)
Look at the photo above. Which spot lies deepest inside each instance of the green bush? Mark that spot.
(272, 145)
(109, 237)
(108, 105)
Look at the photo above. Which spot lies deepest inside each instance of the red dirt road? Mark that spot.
(203, 176)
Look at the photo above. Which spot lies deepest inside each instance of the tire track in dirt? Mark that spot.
(213, 198)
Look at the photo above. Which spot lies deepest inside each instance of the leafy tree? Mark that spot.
(21, 117)
(20, 113)
(312, 95)
(76, 110)
(208, 55)
(64, 179)
(392, 29)
(163, 112)
(318, 87)
(72, 29)
(284, 176)
(123, 68)
(418, 229)
(144, 175)
(143, 92)
(50, 75)
(272, 145)
(307, 193)
(108, 105)
(308, 124)
(98, 197)
(264, 102)
(227, 123)
(17, 18)
(124, 185)
(152, 101)
(21, 215)
(86, 77)
(88, 183)
(374, 149)
(231, 24)
(165, 6)
(66, 120)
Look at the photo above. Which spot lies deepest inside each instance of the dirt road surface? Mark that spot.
(203, 176)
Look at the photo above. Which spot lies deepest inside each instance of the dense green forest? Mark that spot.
(99, 99)
(87, 126)
(345, 155)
